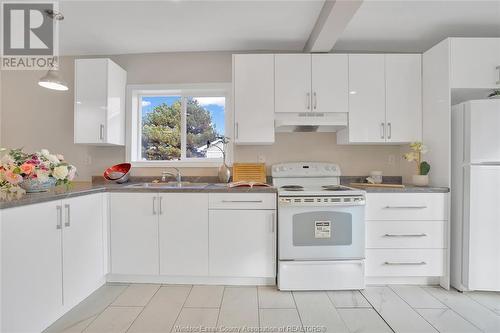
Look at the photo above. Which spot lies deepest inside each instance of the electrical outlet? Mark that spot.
(262, 159)
(88, 160)
(391, 160)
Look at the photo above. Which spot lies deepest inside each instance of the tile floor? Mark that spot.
(146, 308)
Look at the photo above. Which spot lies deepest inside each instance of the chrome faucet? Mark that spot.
(177, 176)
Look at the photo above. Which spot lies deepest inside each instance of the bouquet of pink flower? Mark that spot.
(18, 167)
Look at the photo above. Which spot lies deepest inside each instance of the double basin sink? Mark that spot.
(174, 185)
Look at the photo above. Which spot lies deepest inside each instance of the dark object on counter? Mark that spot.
(118, 173)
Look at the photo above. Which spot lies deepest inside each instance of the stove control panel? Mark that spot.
(305, 169)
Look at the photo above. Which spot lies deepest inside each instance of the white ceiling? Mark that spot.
(112, 27)
(415, 26)
(121, 27)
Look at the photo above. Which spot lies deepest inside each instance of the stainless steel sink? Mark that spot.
(169, 185)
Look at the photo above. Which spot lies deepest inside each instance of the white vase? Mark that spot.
(420, 180)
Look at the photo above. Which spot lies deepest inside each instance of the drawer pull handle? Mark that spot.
(405, 207)
(405, 263)
(246, 201)
(405, 235)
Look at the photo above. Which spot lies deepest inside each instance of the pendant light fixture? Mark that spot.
(51, 80)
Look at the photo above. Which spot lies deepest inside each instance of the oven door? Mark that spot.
(321, 232)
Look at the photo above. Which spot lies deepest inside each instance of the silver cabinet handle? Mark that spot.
(101, 132)
(161, 206)
(154, 205)
(405, 263)
(315, 101)
(248, 201)
(308, 100)
(405, 207)
(68, 215)
(59, 217)
(498, 69)
(389, 131)
(405, 235)
(382, 130)
(237, 131)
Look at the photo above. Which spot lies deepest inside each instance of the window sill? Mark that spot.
(177, 164)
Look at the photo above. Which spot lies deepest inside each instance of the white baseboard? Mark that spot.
(212, 280)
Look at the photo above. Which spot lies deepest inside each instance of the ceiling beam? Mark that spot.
(332, 20)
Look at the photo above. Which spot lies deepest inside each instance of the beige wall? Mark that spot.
(34, 118)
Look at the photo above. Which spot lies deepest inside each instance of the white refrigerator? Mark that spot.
(475, 196)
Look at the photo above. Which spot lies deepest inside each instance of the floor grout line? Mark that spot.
(378, 313)
(449, 308)
(133, 321)
(484, 306)
(297, 309)
(220, 306)
(112, 301)
(182, 308)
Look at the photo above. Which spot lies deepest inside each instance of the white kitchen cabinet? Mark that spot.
(83, 243)
(31, 267)
(330, 83)
(253, 97)
(311, 82)
(242, 243)
(134, 233)
(403, 90)
(183, 234)
(384, 99)
(99, 110)
(366, 98)
(475, 63)
(292, 83)
(407, 238)
(52, 259)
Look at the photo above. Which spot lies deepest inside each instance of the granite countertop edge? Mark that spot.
(88, 188)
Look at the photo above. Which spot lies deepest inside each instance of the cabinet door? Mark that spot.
(242, 243)
(403, 89)
(134, 233)
(292, 83)
(31, 267)
(83, 268)
(366, 98)
(184, 234)
(474, 61)
(253, 85)
(330, 83)
(90, 100)
(115, 116)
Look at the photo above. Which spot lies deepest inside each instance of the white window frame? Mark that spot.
(133, 121)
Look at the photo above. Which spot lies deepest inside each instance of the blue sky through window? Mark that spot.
(215, 105)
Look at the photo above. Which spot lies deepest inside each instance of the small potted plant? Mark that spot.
(423, 168)
(495, 94)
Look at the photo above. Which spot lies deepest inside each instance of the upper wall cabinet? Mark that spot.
(385, 99)
(99, 102)
(311, 82)
(253, 96)
(475, 63)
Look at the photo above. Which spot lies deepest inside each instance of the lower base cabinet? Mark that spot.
(242, 243)
(52, 259)
(134, 233)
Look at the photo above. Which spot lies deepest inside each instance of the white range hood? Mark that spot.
(310, 122)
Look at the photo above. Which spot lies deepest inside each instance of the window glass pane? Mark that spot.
(205, 123)
(161, 127)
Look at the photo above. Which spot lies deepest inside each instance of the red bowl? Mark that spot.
(117, 171)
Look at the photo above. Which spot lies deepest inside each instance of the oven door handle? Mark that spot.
(390, 263)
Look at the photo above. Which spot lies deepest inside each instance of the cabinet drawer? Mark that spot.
(405, 262)
(407, 206)
(405, 234)
(242, 201)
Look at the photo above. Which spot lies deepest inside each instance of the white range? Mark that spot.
(321, 228)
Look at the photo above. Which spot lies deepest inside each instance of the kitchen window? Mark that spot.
(178, 126)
